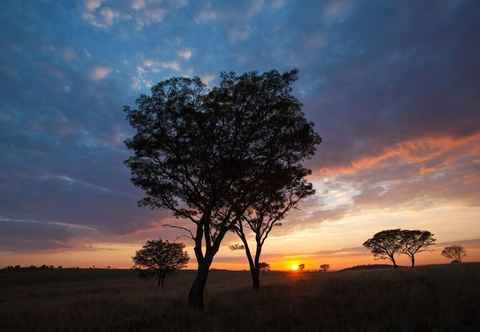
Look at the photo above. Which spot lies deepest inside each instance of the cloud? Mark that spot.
(138, 4)
(173, 65)
(335, 9)
(100, 16)
(429, 153)
(91, 5)
(69, 54)
(140, 13)
(185, 53)
(28, 234)
(236, 26)
(100, 72)
(207, 78)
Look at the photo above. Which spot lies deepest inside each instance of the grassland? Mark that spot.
(433, 298)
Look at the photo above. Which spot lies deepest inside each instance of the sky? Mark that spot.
(392, 87)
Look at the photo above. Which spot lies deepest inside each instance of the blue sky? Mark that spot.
(392, 88)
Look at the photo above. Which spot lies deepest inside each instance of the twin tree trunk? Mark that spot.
(204, 260)
(195, 296)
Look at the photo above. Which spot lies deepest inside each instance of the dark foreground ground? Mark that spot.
(434, 298)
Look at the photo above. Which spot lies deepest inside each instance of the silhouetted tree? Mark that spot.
(237, 246)
(414, 242)
(301, 267)
(324, 267)
(454, 252)
(385, 244)
(264, 266)
(269, 211)
(210, 155)
(157, 258)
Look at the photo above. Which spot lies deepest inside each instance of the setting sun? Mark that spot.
(294, 267)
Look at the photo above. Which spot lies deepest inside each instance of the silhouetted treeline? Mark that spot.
(32, 267)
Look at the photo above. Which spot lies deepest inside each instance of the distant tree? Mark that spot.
(237, 246)
(456, 253)
(415, 241)
(209, 155)
(301, 267)
(157, 258)
(264, 266)
(324, 267)
(385, 244)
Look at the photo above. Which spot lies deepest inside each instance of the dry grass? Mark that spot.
(435, 298)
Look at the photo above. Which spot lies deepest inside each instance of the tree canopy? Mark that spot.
(209, 155)
(415, 241)
(264, 266)
(159, 258)
(385, 244)
(456, 253)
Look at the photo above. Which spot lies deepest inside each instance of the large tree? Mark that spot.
(385, 244)
(414, 242)
(158, 258)
(209, 155)
(456, 253)
(267, 213)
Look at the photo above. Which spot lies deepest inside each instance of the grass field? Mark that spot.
(431, 298)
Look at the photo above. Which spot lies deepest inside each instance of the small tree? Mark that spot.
(267, 213)
(157, 258)
(414, 242)
(456, 253)
(385, 244)
(301, 267)
(324, 267)
(264, 266)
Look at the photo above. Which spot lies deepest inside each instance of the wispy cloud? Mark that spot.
(48, 223)
(100, 72)
(185, 53)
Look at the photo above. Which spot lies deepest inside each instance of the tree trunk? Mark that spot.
(255, 278)
(160, 280)
(393, 261)
(254, 270)
(413, 260)
(195, 296)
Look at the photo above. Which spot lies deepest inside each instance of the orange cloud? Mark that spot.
(446, 149)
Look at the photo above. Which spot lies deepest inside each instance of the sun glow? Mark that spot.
(294, 267)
